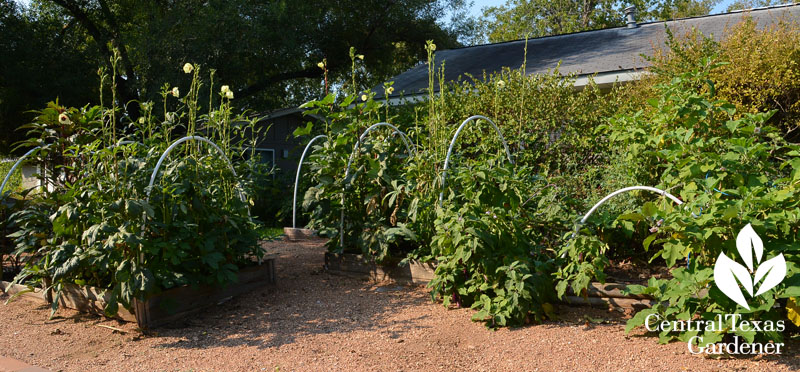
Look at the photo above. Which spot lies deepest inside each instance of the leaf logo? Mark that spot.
(728, 271)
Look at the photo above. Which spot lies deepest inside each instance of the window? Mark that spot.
(266, 156)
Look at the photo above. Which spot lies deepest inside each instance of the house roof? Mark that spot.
(607, 51)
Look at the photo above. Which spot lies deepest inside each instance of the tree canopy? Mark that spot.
(267, 51)
(518, 19)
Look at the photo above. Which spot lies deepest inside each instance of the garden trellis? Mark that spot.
(182, 140)
(297, 178)
(455, 138)
(356, 148)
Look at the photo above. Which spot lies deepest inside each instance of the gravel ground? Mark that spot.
(314, 321)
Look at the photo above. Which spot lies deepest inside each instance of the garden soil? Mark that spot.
(314, 321)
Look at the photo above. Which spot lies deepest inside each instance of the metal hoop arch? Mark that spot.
(178, 142)
(356, 147)
(455, 138)
(297, 178)
(626, 189)
(19, 161)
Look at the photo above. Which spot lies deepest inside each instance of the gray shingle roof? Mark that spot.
(583, 53)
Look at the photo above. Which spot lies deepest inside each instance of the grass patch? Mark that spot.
(270, 233)
(15, 182)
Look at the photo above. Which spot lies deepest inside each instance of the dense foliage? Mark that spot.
(754, 79)
(266, 51)
(495, 235)
(518, 19)
(506, 237)
(95, 222)
(732, 170)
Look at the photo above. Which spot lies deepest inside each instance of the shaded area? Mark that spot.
(305, 301)
(311, 320)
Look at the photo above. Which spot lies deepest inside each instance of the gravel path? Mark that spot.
(314, 321)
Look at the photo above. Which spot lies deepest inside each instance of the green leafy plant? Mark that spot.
(96, 222)
(730, 170)
(495, 238)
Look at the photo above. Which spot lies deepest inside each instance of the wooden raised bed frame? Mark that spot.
(298, 234)
(355, 265)
(160, 309)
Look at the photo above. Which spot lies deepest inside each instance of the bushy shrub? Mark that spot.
(496, 235)
(731, 170)
(760, 73)
(375, 190)
(548, 125)
(96, 222)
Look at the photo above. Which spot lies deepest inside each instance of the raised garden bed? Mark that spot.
(161, 309)
(298, 234)
(355, 265)
(609, 295)
(12, 289)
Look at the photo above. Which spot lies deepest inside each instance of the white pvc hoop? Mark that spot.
(620, 191)
(178, 142)
(14, 167)
(356, 147)
(455, 138)
(297, 178)
(23, 157)
(626, 189)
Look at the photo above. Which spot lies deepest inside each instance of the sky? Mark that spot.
(480, 4)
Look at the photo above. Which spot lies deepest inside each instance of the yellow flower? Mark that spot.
(321, 65)
(225, 89)
(229, 95)
(433, 46)
(501, 84)
(141, 120)
(363, 97)
(64, 119)
(389, 90)
(176, 92)
(360, 56)
(187, 68)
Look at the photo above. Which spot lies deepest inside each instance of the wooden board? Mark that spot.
(90, 300)
(356, 265)
(296, 235)
(612, 290)
(13, 289)
(176, 303)
(605, 302)
(162, 308)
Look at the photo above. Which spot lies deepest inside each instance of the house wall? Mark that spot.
(29, 173)
(279, 139)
